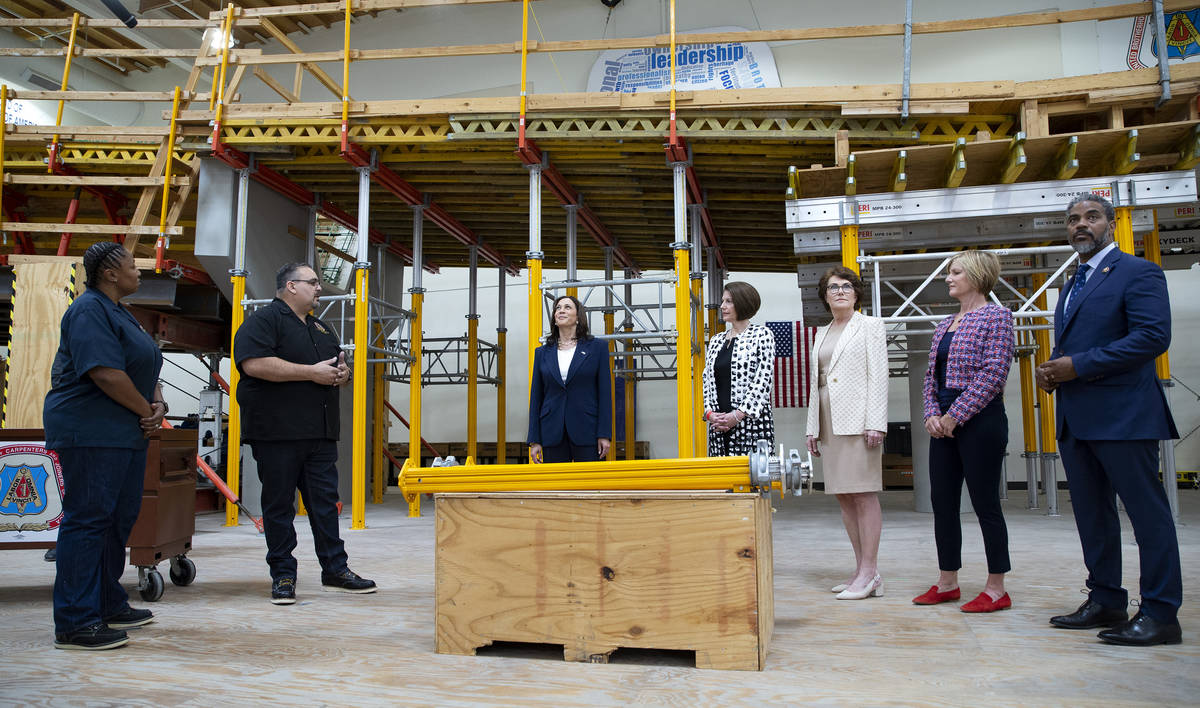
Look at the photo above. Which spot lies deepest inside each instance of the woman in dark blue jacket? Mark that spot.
(103, 402)
(570, 400)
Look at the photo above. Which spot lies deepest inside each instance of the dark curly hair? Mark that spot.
(101, 256)
(581, 325)
(846, 274)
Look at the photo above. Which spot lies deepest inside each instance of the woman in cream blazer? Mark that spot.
(847, 415)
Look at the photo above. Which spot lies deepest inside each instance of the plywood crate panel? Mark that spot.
(599, 571)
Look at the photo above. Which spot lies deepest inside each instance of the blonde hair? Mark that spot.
(982, 269)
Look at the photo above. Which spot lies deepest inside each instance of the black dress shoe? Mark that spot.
(1143, 631)
(1089, 616)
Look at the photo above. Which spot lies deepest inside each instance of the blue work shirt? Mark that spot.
(96, 332)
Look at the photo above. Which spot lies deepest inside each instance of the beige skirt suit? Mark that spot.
(851, 381)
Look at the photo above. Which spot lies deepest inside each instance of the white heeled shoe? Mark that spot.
(873, 589)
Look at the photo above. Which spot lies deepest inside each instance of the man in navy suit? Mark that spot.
(1110, 323)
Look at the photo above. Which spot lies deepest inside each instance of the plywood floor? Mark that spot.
(219, 641)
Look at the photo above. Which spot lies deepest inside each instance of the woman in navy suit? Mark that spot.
(570, 399)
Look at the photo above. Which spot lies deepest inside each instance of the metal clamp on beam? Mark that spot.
(791, 472)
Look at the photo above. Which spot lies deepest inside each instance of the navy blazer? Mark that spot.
(581, 407)
(1121, 323)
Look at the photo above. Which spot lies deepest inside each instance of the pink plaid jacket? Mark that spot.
(980, 356)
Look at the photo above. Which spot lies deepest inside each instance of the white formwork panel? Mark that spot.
(1158, 189)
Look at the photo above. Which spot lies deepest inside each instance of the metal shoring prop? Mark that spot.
(1029, 422)
(630, 376)
(700, 436)
(684, 411)
(501, 371)
(572, 229)
(1160, 47)
(609, 329)
(378, 383)
(715, 282)
(533, 258)
(361, 373)
(310, 237)
(1046, 424)
(907, 87)
(417, 293)
(472, 352)
(233, 465)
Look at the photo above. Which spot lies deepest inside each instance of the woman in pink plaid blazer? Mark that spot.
(969, 359)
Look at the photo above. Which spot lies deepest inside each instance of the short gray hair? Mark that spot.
(285, 273)
(1109, 212)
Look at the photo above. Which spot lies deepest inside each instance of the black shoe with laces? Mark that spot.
(346, 581)
(283, 591)
(129, 618)
(93, 637)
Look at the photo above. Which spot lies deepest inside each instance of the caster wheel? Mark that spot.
(152, 589)
(183, 570)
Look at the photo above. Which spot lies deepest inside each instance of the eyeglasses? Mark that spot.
(834, 287)
(311, 281)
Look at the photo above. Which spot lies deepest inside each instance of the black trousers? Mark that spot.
(310, 466)
(976, 455)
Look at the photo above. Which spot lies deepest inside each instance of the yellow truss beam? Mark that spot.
(1123, 156)
(1015, 163)
(1189, 150)
(1065, 162)
(956, 168)
(899, 179)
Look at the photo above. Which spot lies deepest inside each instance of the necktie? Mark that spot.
(1077, 286)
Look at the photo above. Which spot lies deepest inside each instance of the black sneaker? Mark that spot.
(346, 581)
(129, 618)
(93, 637)
(283, 591)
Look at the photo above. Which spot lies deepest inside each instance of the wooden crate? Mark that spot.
(597, 571)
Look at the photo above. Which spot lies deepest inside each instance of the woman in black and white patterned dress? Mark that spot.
(739, 371)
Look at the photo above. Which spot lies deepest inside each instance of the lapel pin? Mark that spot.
(1106, 269)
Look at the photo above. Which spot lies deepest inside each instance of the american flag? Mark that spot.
(793, 357)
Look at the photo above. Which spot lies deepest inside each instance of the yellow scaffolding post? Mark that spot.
(1124, 231)
(379, 423)
(65, 79)
(1153, 253)
(535, 312)
(472, 383)
(414, 395)
(612, 387)
(1029, 422)
(217, 73)
(700, 435)
(358, 474)
(685, 412)
(233, 462)
(850, 247)
(1046, 424)
(630, 401)
(160, 246)
(3, 112)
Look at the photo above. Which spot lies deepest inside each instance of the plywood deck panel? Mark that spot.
(42, 293)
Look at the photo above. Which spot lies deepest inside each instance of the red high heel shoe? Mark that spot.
(984, 603)
(933, 597)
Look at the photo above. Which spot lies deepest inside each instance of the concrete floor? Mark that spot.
(221, 641)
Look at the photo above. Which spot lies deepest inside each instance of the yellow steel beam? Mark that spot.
(1066, 164)
(685, 413)
(346, 71)
(850, 246)
(956, 168)
(414, 399)
(851, 180)
(362, 371)
(161, 246)
(3, 130)
(1028, 398)
(534, 312)
(233, 455)
(1153, 253)
(793, 188)
(220, 74)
